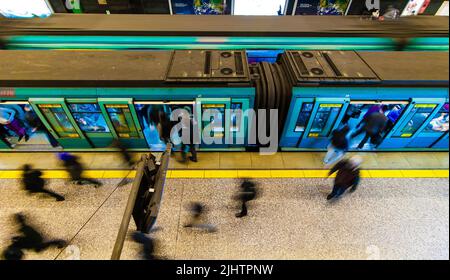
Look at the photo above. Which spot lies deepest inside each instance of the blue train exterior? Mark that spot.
(86, 99)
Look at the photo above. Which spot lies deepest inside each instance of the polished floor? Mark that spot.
(237, 160)
(385, 219)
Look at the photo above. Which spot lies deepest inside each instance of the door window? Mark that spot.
(89, 117)
(440, 122)
(303, 117)
(58, 119)
(325, 119)
(217, 117)
(122, 120)
(416, 118)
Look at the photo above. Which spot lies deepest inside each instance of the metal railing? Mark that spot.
(145, 197)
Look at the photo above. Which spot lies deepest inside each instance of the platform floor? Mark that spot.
(385, 219)
(237, 160)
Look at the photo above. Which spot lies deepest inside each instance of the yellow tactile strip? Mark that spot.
(206, 174)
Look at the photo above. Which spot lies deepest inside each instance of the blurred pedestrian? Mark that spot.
(338, 146)
(373, 125)
(246, 193)
(9, 120)
(33, 182)
(29, 239)
(148, 245)
(75, 169)
(198, 217)
(348, 176)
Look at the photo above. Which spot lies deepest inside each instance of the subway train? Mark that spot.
(262, 36)
(83, 100)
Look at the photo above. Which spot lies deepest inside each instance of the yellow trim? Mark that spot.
(208, 174)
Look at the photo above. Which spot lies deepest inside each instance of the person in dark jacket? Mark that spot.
(338, 146)
(373, 125)
(75, 169)
(348, 176)
(247, 193)
(33, 182)
(30, 239)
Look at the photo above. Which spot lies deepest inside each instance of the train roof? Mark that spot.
(121, 69)
(194, 25)
(408, 67)
(366, 68)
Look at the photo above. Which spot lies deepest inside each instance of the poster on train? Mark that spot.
(198, 7)
(259, 7)
(414, 7)
(25, 8)
(321, 7)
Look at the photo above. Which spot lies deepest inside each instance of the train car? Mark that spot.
(83, 100)
(254, 34)
(333, 89)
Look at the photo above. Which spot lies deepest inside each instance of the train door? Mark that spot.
(297, 121)
(325, 117)
(213, 121)
(123, 121)
(358, 110)
(91, 121)
(56, 117)
(149, 114)
(433, 130)
(416, 117)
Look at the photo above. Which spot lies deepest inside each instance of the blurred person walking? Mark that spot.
(198, 217)
(75, 169)
(33, 183)
(29, 239)
(348, 176)
(338, 146)
(8, 119)
(373, 125)
(247, 192)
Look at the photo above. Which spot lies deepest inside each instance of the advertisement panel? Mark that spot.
(321, 7)
(198, 7)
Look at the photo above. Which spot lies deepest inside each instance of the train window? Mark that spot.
(325, 119)
(416, 118)
(122, 120)
(58, 119)
(89, 117)
(236, 117)
(440, 122)
(303, 117)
